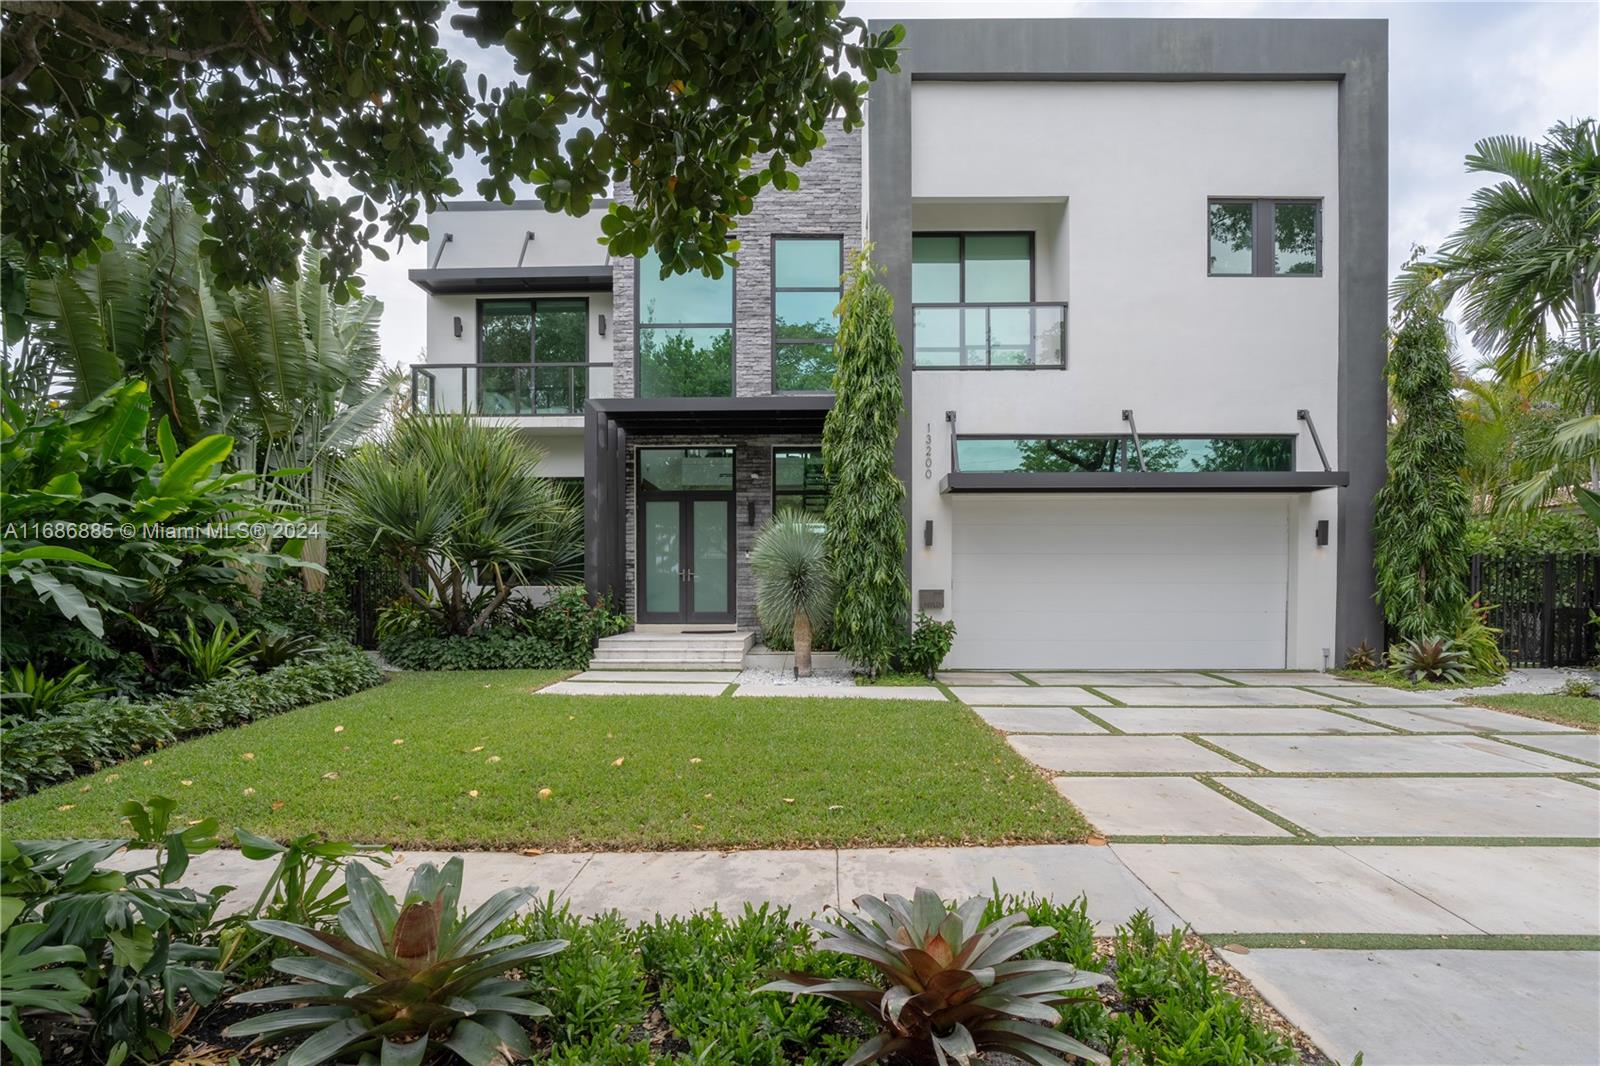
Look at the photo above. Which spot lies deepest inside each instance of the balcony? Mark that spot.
(1009, 336)
(508, 390)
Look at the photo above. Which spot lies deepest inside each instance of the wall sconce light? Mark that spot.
(749, 512)
(458, 325)
(1322, 533)
(602, 325)
(927, 533)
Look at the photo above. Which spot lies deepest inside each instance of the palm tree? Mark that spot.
(1527, 252)
(795, 588)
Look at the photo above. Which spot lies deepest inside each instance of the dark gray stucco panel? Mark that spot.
(1352, 52)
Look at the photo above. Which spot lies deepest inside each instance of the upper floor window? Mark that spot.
(685, 332)
(1265, 238)
(972, 295)
(805, 301)
(798, 481)
(1107, 454)
(538, 351)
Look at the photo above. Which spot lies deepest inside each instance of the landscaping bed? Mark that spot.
(462, 759)
(1580, 711)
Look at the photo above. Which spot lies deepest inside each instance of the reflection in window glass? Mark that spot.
(696, 361)
(1097, 454)
(1294, 238)
(686, 469)
(1232, 238)
(998, 268)
(935, 270)
(798, 481)
(683, 299)
(805, 302)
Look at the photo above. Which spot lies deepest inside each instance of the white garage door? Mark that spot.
(1120, 582)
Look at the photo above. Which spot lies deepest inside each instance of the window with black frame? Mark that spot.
(1117, 454)
(534, 356)
(805, 300)
(685, 345)
(972, 297)
(798, 481)
(1264, 238)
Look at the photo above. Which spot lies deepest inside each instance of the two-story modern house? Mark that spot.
(1139, 277)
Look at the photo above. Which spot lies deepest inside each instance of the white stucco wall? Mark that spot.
(1147, 328)
(493, 237)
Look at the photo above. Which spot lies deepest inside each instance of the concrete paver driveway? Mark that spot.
(1341, 832)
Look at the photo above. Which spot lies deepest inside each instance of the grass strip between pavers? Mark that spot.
(1409, 941)
(1541, 751)
(1230, 682)
(1097, 720)
(1091, 690)
(1577, 780)
(1253, 807)
(1361, 842)
(1224, 752)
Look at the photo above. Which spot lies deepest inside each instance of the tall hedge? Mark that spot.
(1420, 527)
(866, 528)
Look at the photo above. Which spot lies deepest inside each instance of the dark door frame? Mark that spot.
(685, 614)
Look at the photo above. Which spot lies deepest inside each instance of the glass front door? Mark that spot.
(685, 539)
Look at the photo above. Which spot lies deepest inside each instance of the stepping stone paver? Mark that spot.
(982, 677)
(1576, 746)
(631, 688)
(1026, 696)
(1231, 720)
(1439, 806)
(1553, 890)
(1382, 696)
(1456, 719)
(1222, 696)
(1060, 871)
(1437, 1008)
(857, 692)
(1037, 720)
(1289, 677)
(1120, 755)
(678, 882)
(720, 677)
(1162, 806)
(1112, 678)
(1390, 755)
(1254, 888)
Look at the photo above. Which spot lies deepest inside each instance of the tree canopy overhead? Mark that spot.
(244, 105)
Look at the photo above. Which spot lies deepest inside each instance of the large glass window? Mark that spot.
(798, 480)
(959, 286)
(1264, 238)
(686, 469)
(1105, 454)
(805, 300)
(685, 332)
(547, 341)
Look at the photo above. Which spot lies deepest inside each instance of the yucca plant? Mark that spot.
(794, 585)
(954, 985)
(402, 979)
(29, 692)
(222, 654)
(1361, 657)
(1429, 659)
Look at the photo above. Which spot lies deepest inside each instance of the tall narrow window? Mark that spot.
(1264, 238)
(805, 300)
(685, 332)
(534, 354)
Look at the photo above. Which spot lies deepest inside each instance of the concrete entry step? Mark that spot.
(723, 650)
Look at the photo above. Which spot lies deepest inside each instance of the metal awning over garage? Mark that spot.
(1145, 481)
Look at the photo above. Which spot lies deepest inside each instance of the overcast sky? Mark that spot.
(1457, 72)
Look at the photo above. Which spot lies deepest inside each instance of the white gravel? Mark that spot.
(819, 679)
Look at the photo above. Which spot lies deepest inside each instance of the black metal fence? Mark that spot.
(1542, 604)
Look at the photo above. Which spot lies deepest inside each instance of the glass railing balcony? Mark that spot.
(508, 389)
(990, 336)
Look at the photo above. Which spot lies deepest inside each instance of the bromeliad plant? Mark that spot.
(402, 977)
(1429, 659)
(955, 986)
(222, 654)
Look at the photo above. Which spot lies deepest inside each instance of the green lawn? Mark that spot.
(1568, 710)
(695, 772)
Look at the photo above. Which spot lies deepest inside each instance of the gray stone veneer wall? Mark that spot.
(828, 203)
(752, 478)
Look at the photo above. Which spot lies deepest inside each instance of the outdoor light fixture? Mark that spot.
(927, 533)
(458, 325)
(602, 325)
(1322, 533)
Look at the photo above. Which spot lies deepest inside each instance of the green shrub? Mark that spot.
(287, 606)
(1436, 659)
(1479, 641)
(928, 644)
(222, 654)
(1577, 688)
(1175, 1010)
(33, 695)
(558, 634)
(1525, 533)
(88, 735)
